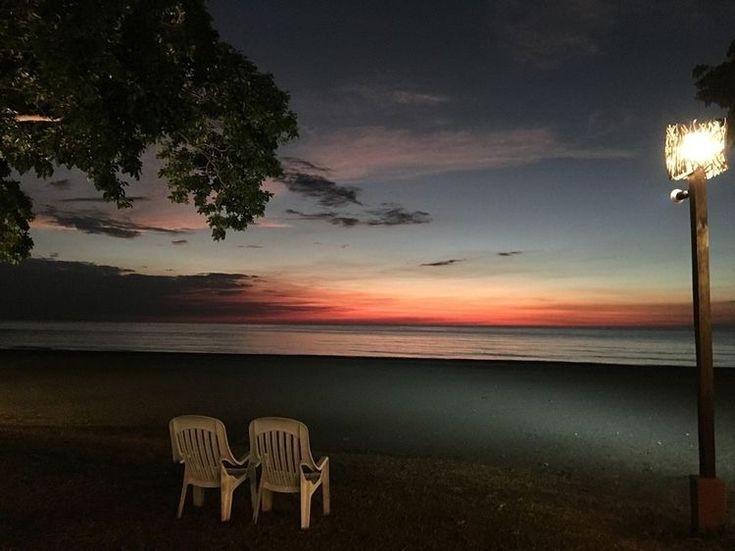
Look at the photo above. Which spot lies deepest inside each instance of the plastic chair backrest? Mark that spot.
(280, 445)
(200, 443)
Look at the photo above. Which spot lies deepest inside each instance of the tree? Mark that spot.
(717, 85)
(92, 85)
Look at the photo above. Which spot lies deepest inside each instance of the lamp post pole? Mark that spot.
(702, 322)
(708, 493)
(697, 151)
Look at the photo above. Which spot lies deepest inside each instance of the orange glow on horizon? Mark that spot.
(302, 305)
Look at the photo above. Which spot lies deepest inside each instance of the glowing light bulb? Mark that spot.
(696, 145)
(699, 147)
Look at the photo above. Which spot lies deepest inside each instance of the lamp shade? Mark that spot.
(696, 145)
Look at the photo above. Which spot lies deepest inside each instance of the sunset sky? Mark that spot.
(459, 163)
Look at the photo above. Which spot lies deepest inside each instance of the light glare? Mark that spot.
(696, 145)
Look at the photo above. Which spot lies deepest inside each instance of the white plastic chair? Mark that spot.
(200, 443)
(281, 447)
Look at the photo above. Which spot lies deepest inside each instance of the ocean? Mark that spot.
(638, 346)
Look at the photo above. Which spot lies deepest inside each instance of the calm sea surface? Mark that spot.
(622, 346)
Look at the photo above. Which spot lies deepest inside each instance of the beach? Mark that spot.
(640, 418)
(594, 426)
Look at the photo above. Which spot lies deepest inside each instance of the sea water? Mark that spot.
(637, 346)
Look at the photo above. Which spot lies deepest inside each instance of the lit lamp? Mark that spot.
(696, 152)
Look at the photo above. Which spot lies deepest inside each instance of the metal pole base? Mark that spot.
(709, 503)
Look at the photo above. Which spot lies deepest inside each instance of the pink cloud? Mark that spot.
(357, 153)
(152, 207)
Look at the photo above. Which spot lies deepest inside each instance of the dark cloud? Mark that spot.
(448, 262)
(179, 241)
(325, 191)
(328, 216)
(250, 246)
(101, 200)
(396, 215)
(544, 35)
(301, 165)
(344, 221)
(53, 255)
(302, 176)
(332, 217)
(300, 179)
(388, 216)
(95, 222)
(509, 253)
(60, 184)
(42, 289)
(228, 292)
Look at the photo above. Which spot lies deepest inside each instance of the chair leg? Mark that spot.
(253, 492)
(226, 491)
(258, 495)
(326, 497)
(198, 496)
(182, 499)
(305, 506)
(267, 500)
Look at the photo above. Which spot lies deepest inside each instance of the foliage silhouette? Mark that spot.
(717, 85)
(92, 85)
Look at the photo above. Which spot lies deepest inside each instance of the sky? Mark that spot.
(474, 162)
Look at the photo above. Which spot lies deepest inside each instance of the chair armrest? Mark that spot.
(308, 471)
(322, 462)
(244, 459)
(236, 472)
(314, 466)
(232, 477)
(232, 462)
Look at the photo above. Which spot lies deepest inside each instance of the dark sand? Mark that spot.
(548, 456)
(599, 420)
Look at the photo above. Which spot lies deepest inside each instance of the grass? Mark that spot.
(88, 489)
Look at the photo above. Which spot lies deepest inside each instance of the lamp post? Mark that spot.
(696, 152)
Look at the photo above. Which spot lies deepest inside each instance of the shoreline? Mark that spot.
(649, 347)
(493, 362)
